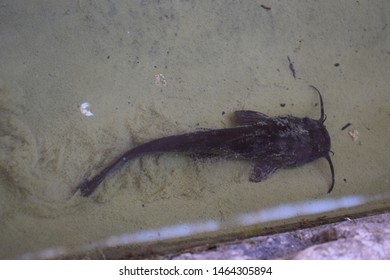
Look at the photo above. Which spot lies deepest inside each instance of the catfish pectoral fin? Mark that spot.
(262, 170)
(247, 117)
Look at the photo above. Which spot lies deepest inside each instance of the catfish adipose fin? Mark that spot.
(271, 142)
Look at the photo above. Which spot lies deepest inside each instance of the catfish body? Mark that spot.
(271, 142)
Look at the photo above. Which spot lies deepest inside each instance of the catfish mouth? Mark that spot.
(322, 139)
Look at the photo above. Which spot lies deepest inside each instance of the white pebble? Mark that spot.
(84, 108)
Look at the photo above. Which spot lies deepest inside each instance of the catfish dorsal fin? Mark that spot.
(246, 117)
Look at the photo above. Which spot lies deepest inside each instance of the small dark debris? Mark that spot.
(336, 64)
(282, 104)
(265, 7)
(223, 113)
(212, 247)
(155, 66)
(108, 57)
(291, 66)
(345, 126)
(345, 180)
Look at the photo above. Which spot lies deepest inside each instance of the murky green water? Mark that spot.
(154, 68)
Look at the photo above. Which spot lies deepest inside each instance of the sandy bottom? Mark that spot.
(150, 69)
